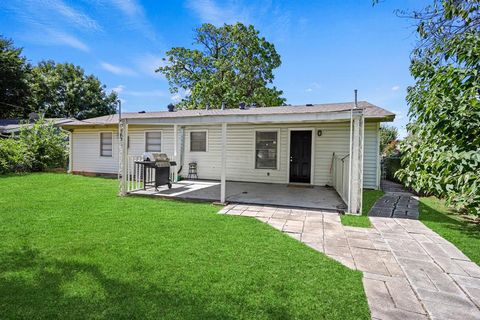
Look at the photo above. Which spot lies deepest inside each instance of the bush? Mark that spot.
(390, 166)
(37, 148)
(13, 156)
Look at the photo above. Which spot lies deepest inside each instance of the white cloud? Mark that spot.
(59, 37)
(51, 22)
(129, 7)
(273, 19)
(210, 11)
(395, 88)
(119, 89)
(118, 70)
(314, 86)
(70, 14)
(136, 17)
(51, 14)
(148, 63)
(145, 93)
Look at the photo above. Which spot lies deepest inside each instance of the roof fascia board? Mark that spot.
(248, 118)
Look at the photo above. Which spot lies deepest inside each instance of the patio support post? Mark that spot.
(224, 163)
(123, 155)
(356, 162)
(175, 151)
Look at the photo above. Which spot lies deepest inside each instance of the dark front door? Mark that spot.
(300, 156)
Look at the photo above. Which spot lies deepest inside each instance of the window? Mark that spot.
(106, 144)
(153, 141)
(198, 141)
(266, 146)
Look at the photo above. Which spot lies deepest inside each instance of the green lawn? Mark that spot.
(369, 199)
(71, 249)
(464, 234)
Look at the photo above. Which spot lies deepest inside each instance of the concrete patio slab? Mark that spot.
(410, 272)
(311, 197)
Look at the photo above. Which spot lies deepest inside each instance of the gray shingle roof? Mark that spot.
(371, 112)
(13, 125)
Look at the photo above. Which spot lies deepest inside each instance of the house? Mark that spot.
(333, 144)
(10, 127)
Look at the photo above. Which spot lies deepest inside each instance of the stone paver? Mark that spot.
(410, 272)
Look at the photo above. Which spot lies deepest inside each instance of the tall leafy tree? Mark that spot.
(387, 135)
(441, 155)
(64, 90)
(14, 88)
(230, 64)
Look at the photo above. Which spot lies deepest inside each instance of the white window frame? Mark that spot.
(145, 140)
(100, 144)
(190, 140)
(255, 149)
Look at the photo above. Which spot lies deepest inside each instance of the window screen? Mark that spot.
(198, 141)
(153, 141)
(266, 150)
(106, 144)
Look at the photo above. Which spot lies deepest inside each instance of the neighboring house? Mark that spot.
(10, 127)
(292, 144)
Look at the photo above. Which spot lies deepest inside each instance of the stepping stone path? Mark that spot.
(409, 271)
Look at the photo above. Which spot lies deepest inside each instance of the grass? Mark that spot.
(70, 248)
(369, 199)
(464, 234)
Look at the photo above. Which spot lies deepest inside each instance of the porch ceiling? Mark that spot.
(316, 197)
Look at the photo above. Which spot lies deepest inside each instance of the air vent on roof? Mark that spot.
(171, 107)
(309, 105)
(241, 106)
(143, 111)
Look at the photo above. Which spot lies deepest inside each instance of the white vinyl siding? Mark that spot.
(86, 146)
(86, 155)
(240, 151)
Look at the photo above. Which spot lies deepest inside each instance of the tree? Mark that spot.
(14, 88)
(388, 134)
(441, 155)
(64, 91)
(233, 64)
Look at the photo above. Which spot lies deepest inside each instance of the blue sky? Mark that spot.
(328, 48)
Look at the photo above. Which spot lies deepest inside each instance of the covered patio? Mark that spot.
(312, 197)
(345, 168)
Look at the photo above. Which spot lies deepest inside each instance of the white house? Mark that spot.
(323, 144)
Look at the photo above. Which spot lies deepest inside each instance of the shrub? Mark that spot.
(37, 147)
(14, 156)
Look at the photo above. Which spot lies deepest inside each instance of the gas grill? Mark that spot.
(155, 170)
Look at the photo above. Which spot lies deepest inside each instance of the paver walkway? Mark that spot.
(410, 272)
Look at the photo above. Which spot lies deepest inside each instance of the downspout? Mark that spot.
(182, 150)
(119, 139)
(351, 154)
